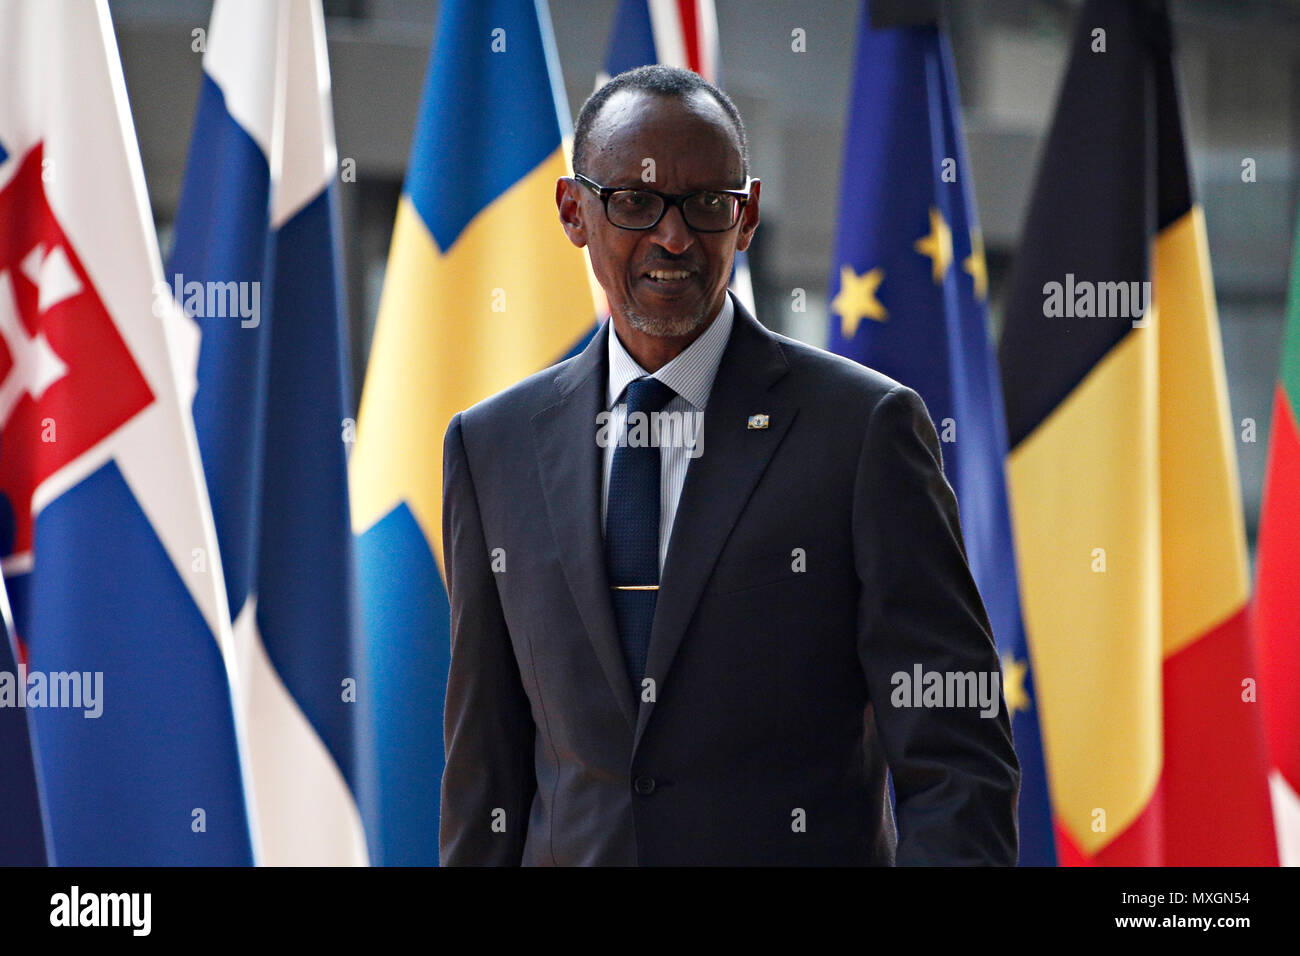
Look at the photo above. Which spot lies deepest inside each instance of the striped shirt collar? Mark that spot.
(690, 374)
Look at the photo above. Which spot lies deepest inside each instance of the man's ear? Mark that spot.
(568, 202)
(748, 218)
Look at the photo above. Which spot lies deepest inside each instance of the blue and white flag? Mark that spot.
(122, 659)
(256, 266)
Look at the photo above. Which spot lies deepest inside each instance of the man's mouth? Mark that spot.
(670, 282)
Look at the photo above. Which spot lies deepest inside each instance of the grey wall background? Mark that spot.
(1240, 71)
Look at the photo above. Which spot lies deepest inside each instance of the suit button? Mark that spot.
(644, 785)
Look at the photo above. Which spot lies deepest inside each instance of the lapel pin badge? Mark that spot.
(757, 422)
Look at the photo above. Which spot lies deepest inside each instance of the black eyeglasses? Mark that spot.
(708, 210)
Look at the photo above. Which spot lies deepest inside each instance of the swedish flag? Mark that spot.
(482, 289)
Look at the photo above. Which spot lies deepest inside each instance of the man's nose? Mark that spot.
(672, 233)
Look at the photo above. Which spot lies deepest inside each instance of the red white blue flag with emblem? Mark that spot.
(121, 664)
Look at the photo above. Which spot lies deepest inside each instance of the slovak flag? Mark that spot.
(124, 658)
(256, 267)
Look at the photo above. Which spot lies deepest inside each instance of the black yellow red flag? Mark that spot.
(1123, 475)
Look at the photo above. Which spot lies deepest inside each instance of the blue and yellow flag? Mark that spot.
(482, 289)
(908, 296)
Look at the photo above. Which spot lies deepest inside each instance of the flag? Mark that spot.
(681, 33)
(1277, 597)
(908, 296)
(1124, 487)
(109, 550)
(256, 266)
(482, 289)
(23, 838)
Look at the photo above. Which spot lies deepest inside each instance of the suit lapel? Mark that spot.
(569, 461)
(718, 483)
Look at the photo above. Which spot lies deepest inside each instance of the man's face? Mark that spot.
(669, 280)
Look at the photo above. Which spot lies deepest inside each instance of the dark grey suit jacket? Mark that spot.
(772, 723)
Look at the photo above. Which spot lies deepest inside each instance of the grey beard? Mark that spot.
(666, 328)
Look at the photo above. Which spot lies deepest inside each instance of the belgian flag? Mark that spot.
(1123, 474)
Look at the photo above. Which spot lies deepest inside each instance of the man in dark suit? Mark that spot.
(681, 647)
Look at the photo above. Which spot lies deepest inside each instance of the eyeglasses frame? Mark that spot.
(670, 200)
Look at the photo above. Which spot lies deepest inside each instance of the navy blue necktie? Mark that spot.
(632, 528)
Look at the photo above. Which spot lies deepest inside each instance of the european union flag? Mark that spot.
(908, 296)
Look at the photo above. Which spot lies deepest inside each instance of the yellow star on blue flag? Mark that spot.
(857, 300)
(937, 244)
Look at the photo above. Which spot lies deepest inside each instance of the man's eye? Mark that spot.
(632, 200)
(710, 200)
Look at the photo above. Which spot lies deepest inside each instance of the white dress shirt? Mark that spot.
(691, 376)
